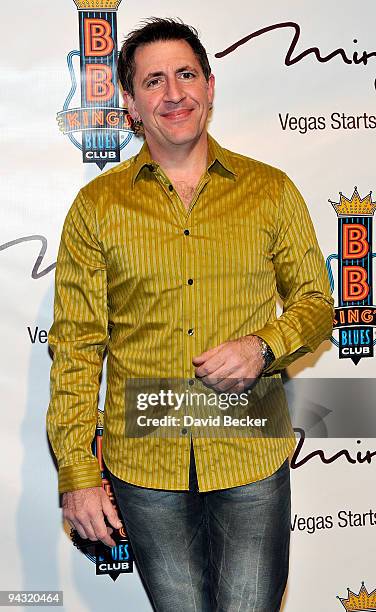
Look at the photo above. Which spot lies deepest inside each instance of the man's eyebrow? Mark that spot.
(185, 68)
(152, 75)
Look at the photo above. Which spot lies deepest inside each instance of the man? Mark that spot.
(172, 261)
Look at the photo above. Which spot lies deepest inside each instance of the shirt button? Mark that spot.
(171, 188)
(186, 232)
(191, 381)
(184, 431)
(190, 281)
(190, 332)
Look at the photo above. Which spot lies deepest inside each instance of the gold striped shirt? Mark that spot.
(156, 285)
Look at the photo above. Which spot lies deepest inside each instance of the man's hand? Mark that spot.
(85, 509)
(225, 366)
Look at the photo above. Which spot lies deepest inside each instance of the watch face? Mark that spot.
(269, 357)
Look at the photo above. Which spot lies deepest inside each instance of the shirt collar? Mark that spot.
(216, 153)
(143, 159)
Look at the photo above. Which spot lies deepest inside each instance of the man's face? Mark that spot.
(171, 94)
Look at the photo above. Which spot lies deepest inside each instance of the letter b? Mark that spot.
(354, 239)
(99, 83)
(355, 286)
(97, 38)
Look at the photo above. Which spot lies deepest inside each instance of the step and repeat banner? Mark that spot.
(296, 88)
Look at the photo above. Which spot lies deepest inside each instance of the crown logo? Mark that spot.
(363, 601)
(110, 5)
(356, 207)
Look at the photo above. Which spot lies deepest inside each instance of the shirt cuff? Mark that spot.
(79, 476)
(276, 343)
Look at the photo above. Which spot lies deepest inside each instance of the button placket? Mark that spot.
(190, 296)
(188, 300)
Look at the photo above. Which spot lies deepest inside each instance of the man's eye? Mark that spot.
(153, 83)
(186, 75)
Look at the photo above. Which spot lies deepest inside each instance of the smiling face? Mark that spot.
(171, 94)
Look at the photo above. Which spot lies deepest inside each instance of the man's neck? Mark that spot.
(182, 162)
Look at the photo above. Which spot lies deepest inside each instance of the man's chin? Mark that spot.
(183, 137)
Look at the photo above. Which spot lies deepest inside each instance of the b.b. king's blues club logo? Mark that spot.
(105, 128)
(355, 314)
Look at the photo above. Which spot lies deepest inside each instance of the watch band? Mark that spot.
(266, 353)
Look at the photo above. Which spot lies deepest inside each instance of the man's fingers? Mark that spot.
(198, 360)
(109, 532)
(210, 366)
(205, 355)
(221, 378)
(102, 531)
(94, 531)
(225, 384)
(110, 511)
(82, 530)
(213, 381)
(84, 509)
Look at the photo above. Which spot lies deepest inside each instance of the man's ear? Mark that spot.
(130, 104)
(211, 84)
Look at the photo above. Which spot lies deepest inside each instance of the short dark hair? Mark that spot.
(152, 30)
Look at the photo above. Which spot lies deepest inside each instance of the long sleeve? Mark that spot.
(78, 338)
(302, 283)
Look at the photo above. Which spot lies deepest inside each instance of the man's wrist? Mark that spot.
(266, 353)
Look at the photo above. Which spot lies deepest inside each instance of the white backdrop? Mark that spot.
(256, 96)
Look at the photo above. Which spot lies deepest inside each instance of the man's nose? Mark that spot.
(174, 91)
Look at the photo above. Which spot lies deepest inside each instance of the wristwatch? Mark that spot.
(266, 353)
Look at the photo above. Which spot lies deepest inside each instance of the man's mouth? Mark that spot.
(178, 114)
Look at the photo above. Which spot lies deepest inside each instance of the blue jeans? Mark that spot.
(219, 551)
